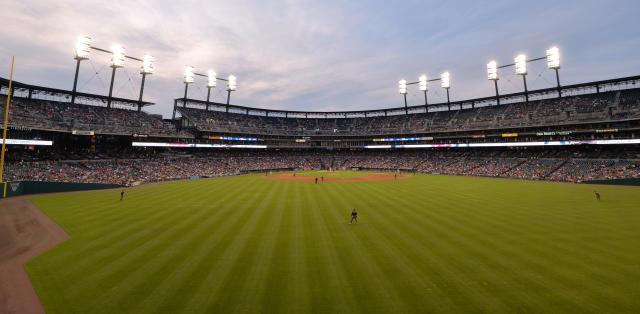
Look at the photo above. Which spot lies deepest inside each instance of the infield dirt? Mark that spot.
(373, 177)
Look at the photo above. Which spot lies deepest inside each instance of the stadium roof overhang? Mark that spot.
(47, 93)
(547, 93)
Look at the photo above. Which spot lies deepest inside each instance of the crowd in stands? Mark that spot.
(140, 166)
(59, 116)
(53, 115)
(585, 108)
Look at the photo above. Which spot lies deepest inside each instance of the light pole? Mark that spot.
(492, 75)
(188, 79)
(445, 82)
(553, 62)
(402, 88)
(211, 83)
(521, 69)
(117, 61)
(231, 86)
(83, 46)
(422, 85)
(147, 68)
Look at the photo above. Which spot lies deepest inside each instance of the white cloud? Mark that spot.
(313, 55)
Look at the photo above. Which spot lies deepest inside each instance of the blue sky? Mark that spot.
(319, 55)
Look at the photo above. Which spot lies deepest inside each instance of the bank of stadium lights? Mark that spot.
(492, 75)
(211, 83)
(402, 89)
(521, 69)
(231, 86)
(82, 52)
(117, 61)
(212, 78)
(553, 63)
(422, 85)
(445, 82)
(146, 69)
(83, 48)
(520, 64)
(189, 77)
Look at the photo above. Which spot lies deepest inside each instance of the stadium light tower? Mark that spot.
(117, 61)
(188, 79)
(211, 83)
(83, 47)
(402, 88)
(231, 86)
(445, 82)
(422, 85)
(521, 69)
(553, 62)
(147, 69)
(492, 75)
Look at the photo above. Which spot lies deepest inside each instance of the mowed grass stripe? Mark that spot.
(331, 290)
(68, 278)
(217, 279)
(159, 277)
(473, 287)
(128, 253)
(187, 286)
(425, 244)
(401, 236)
(147, 262)
(561, 275)
(361, 262)
(263, 261)
(128, 229)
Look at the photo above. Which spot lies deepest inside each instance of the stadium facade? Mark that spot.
(578, 133)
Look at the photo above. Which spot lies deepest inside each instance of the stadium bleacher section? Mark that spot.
(325, 140)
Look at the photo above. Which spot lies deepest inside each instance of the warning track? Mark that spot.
(25, 232)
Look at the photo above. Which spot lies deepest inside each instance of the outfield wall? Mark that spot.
(36, 187)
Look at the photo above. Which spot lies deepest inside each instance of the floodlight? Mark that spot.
(231, 83)
(445, 80)
(147, 64)
(188, 74)
(492, 70)
(422, 82)
(402, 86)
(117, 61)
(212, 78)
(521, 64)
(553, 58)
(83, 46)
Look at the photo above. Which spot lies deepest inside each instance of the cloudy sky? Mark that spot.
(318, 55)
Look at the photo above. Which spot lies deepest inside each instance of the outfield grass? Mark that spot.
(425, 244)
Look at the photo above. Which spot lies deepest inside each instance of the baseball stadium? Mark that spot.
(524, 199)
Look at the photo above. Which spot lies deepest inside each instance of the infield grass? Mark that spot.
(424, 244)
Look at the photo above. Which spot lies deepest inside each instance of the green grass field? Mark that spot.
(425, 244)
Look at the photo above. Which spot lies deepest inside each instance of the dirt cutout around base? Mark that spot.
(373, 177)
(25, 232)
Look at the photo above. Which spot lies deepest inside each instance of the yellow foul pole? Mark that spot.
(4, 133)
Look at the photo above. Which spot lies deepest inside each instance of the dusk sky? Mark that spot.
(318, 55)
